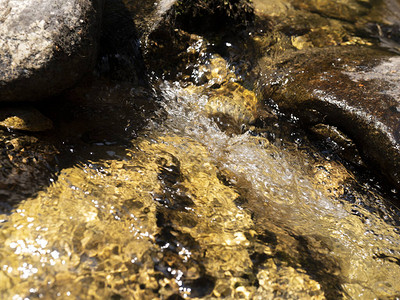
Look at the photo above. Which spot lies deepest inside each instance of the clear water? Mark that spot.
(195, 211)
(197, 205)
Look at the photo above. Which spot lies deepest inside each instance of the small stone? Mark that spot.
(27, 119)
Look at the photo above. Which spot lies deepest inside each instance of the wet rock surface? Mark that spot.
(46, 47)
(355, 89)
(152, 240)
(320, 62)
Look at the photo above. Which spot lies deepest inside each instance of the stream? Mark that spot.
(188, 196)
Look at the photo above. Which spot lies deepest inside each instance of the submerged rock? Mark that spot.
(235, 101)
(46, 46)
(301, 24)
(160, 222)
(26, 166)
(231, 104)
(193, 212)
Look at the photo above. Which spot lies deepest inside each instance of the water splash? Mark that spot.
(285, 182)
(197, 211)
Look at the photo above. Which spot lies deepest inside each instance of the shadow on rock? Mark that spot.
(97, 119)
(120, 56)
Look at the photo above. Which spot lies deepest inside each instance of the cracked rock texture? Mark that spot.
(46, 46)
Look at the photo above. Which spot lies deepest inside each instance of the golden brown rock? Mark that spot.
(26, 119)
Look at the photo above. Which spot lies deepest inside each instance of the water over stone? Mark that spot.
(189, 189)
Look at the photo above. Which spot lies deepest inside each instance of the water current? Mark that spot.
(202, 205)
(284, 185)
(193, 210)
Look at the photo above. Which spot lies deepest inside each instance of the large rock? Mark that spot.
(353, 88)
(327, 63)
(46, 46)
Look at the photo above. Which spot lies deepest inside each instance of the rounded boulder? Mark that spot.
(46, 46)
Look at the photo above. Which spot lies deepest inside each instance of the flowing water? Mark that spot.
(196, 211)
(201, 204)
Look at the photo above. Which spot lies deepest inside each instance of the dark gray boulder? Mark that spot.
(46, 46)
